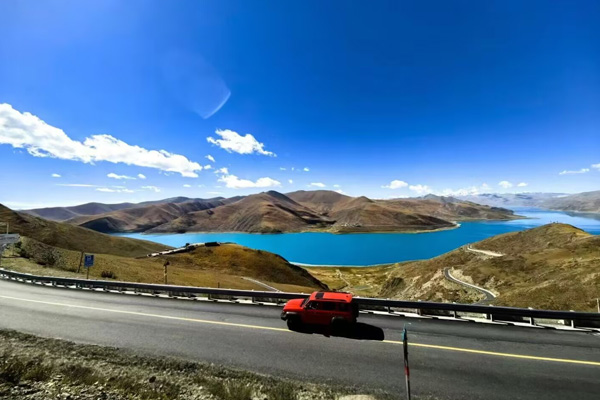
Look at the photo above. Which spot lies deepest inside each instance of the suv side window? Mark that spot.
(328, 306)
(342, 306)
(313, 305)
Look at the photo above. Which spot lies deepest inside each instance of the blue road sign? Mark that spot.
(88, 261)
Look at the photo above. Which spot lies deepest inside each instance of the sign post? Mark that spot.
(88, 262)
(406, 368)
(166, 264)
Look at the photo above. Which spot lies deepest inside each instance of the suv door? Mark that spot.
(315, 313)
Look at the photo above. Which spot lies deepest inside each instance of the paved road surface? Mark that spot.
(449, 360)
(489, 296)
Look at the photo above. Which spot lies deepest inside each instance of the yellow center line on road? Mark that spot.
(268, 328)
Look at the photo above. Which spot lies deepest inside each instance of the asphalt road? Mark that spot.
(449, 360)
(489, 296)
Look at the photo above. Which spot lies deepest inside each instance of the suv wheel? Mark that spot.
(293, 322)
(338, 324)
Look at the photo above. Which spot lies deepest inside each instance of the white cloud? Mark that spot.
(141, 176)
(187, 186)
(596, 166)
(471, 190)
(305, 169)
(214, 192)
(505, 184)
(336, 186)
(233, 142)
(115, 190)
(26, 131)
(76, 185)
(153, 188)
(292, 168)
(223, 170)
(420, 189)
(581, 171)
(56, 176)
(233, 182)
(340, 191)
(317, 184)
(120, 177)
(211, 158)
(396, 184)
(208, 166)
(522, 184)
(290, 181)
(282, 168)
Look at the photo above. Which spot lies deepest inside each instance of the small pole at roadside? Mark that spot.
(598, 304)
(87, 274)
(166, 264)
(406, 368)
(80, 261)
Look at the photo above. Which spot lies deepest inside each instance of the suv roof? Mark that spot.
(332, 296)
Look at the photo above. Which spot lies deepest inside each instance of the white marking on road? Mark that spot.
(204, 321)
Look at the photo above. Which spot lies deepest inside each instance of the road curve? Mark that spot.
(449, 360)
(489, 296)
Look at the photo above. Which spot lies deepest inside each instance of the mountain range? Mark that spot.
(272, 212)
(588, 202)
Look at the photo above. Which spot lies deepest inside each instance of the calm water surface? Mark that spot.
(377, 248)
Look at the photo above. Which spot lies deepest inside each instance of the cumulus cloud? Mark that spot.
(395, 184)
(420, 189)
(522, 184)
(233, 182)
(596, 166)
(580, 171)
(317, 184)
(56, 176)
(152, 188)
(466, 191)
(208, 166)
(282, 168)
(336, 186)
(26, 131)
(114, 190)
(290, 181)
(340, 191)
(119, 177)
(233, 142)
(223, 170)
(211, 158)
(505, 184)
(141, 176)
(187, 186)
(306, 169)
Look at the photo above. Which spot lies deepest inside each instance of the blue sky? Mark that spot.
(384, 99)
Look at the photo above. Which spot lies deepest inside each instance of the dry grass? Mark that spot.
(222, 266)
(361, 281)
(37, 368)
(555, 266)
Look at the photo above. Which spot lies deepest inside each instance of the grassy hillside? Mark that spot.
(224, 266)
(76, 238)
(555, 266)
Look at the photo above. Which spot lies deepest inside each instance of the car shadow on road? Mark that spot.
(358, 331)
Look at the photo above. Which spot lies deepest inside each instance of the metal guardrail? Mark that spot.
(422, 307)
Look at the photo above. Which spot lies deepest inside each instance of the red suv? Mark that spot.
(321, 308)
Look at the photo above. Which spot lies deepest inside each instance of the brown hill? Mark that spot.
(76, 238)
(267, 212)
(364, 214)
(581, 202)
(555, 266)
(276, 212)
(143, 218)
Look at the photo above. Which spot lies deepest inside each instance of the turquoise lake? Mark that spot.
(377, 248)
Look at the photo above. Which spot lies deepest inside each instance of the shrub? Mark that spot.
(281, 391)
(230, 390)
(108, 274)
